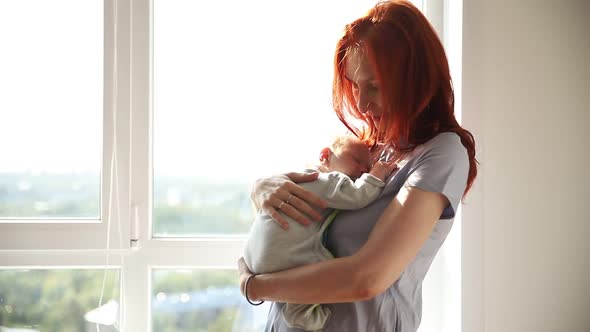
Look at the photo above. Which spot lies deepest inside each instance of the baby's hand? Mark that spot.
(382, 169)
(386, 153)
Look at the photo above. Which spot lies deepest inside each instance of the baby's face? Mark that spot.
(353, 160)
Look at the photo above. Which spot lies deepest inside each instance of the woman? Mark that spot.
(392, 74)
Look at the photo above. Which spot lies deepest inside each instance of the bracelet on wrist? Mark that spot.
(246, 290)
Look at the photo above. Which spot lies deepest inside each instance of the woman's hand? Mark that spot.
(244, 274)
(281, 192)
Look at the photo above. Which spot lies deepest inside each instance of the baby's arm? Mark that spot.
(348, 195)
(382, 169)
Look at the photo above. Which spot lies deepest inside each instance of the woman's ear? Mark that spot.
(325, 156)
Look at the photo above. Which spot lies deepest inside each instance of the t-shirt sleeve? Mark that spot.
(443, 167)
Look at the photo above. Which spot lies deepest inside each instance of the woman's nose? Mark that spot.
(363, 103)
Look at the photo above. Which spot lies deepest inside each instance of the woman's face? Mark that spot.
(365, 87)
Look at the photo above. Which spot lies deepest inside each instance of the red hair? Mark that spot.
(412, 70)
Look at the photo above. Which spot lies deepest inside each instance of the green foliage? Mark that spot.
(200, 206)
(56, 300)
(53, 300)
(24, 195)
(170, 282)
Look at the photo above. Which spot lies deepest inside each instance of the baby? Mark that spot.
(347, 182)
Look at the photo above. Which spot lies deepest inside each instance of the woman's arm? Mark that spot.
(395, 240)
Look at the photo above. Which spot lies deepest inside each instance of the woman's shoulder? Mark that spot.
(447, 138)
(447, 144)
(442, 166)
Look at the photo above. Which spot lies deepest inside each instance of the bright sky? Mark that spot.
(255, 96)
(51, 85)
(240, 87)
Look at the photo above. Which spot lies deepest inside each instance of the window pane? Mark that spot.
(237, 97)
(58, 300)
(201, 301)
(51, 108)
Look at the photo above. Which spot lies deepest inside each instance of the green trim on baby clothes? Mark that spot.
(320, 244)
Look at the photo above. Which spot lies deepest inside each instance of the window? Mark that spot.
(150, 120)
(50, 168)
(223, 94)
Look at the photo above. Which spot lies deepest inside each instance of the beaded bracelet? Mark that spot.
(246, 291)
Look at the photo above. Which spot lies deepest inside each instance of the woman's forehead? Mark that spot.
(357, 68)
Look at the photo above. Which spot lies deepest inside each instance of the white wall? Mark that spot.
(526, 226)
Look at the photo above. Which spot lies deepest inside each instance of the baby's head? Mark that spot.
(348, 155)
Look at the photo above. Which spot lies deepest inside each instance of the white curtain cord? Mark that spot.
(113, 173)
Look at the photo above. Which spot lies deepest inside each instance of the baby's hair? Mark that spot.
(339, 142)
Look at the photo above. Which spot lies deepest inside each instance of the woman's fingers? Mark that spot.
(277, 217)
(307, 196)
(286, 202)
(279, 197)
(302, 177)
(296, 215)
(298, 203)
(300, 210)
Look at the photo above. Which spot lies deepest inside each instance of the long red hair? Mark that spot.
(412, 70)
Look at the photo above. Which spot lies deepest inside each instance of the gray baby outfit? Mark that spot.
(270, 248)
(440, 165)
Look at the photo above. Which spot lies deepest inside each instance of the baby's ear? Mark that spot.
(325, 155)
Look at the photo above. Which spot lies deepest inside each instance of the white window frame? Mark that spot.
(89, 234)
(75, 244)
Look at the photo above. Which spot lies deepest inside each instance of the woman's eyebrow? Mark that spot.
(369, 79)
